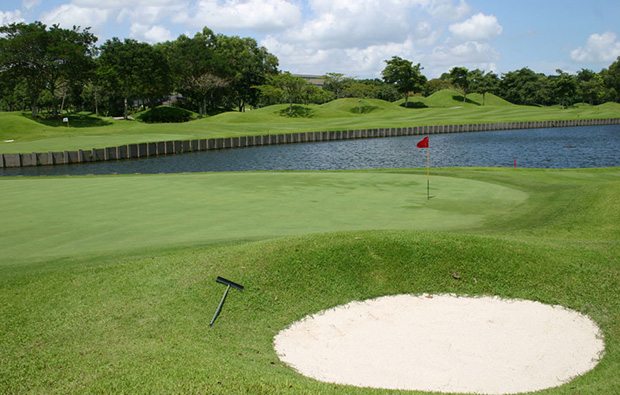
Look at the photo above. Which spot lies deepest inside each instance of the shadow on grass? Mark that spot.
(75, 120)
(459, 98)
(414, 104)
(297, 112)
(365, 109)
(166, 114)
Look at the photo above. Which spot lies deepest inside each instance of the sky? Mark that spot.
(355, 37)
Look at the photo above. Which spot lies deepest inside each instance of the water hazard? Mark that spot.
(573, 147)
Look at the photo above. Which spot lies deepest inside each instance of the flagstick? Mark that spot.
(428, 173)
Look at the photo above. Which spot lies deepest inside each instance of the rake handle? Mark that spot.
(219, 307)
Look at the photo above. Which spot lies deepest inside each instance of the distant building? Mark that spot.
(317, 80)
(173, 98)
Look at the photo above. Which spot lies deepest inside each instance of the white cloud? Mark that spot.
(446, 9)
(599, 48)
(257, 15)
(145, 17)
(356, 37)
(353, 37)
(150, 34)
(479, 27)
(424, 34)
(472, 55)
(365, 62)
(69, 15)
(28, 4)
(351, 24)
(120, 4)
(9, 17)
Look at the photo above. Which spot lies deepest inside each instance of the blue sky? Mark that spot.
(355, 37)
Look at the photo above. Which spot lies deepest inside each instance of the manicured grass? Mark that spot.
(100, 315)
(50, 217)
(445, 107)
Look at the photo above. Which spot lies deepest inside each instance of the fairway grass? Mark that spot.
(86, 310)
(444, 108)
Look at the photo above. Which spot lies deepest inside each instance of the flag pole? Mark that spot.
(428, 173)
(424, 144)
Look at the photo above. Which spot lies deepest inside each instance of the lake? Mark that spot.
(572, 147)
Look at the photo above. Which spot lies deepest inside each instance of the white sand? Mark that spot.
(443, 343)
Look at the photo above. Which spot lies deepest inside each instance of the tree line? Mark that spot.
(51, 68)
(524, 86)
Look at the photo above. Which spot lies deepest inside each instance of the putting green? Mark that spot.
(52, 217)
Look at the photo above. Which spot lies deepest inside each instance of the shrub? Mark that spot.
(166, 114)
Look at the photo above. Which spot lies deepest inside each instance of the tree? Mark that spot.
(359, 90)
(13, 94)
(460, 78)
(134, 70)
(375, 88)
(387, 92)
(45, 58)
(523, 87)
(404, 75)
(436, 85)
(69, 61)
(271, 94)
(292, 88)
(93, 87)
(590, 86)
(316, 95)
(199, 71)
(611, 77)
(483, 83)
(157, 81)
(22, 57)
(564, 87)
(336, 83)
(250, 65)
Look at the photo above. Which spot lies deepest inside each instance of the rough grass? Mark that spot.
(129, 320)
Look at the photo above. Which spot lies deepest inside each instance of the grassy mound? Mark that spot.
(297, 111)
(16, 126)
(489, 100)
(352, 106)
(99, 315)
(448, 98)
(20, 126)
(442, 108)
(609, 106)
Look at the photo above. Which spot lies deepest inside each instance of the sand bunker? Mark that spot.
(443, 343)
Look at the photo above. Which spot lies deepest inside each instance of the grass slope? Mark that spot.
(448, 98)
(444, 107)
(110, 318)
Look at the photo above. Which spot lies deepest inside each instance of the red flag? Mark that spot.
(423, 143)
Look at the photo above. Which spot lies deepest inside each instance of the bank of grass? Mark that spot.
(442, 108)
(101, 316)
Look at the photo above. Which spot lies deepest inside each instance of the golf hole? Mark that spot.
(443, 343)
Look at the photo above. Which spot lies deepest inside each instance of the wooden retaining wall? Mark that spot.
(132, 151)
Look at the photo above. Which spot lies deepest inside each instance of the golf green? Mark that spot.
(52, 217)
